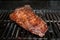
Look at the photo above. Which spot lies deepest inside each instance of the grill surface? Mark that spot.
(10, 30)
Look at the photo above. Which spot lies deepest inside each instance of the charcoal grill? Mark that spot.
(9, 30)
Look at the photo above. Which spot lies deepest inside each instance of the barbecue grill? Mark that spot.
(9, 30)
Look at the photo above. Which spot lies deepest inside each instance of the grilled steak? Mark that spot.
(27, 19)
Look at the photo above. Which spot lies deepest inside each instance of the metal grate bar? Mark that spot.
(7, 15)
(54, 16)
(57, 16)
(48, 35)
(44, 17)
(9, 30)
(56, 31)
(52, 33)
(17, 33)
(50, 16)
(4, 16)
(58, 25)
(47, 16)
(5, 30)
(1, 15)
(58, 34)
(13, 31)
(53, 30)
(50, 27)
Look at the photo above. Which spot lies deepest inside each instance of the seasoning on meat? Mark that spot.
(27, 19)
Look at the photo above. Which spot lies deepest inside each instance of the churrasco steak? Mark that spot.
(27, 19)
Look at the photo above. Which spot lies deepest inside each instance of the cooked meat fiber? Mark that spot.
(26, 18)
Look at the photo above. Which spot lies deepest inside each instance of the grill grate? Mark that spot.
(10, 30)
(52, 17)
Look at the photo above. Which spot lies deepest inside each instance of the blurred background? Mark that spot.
(45, 4)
